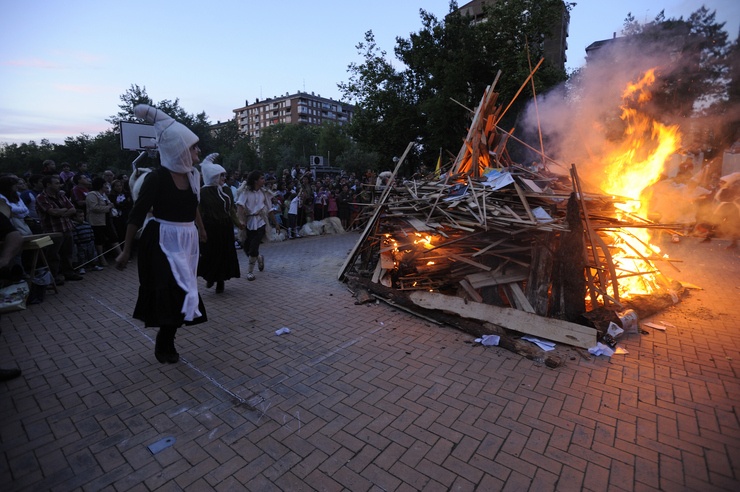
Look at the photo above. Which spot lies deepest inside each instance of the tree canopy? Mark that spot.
(446, 67)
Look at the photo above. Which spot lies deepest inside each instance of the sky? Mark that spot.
(64, 65)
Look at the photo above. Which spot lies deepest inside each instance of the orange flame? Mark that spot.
(637, 162)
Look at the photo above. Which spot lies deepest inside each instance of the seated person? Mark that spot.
(12, 244)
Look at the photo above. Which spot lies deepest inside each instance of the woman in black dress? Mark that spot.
(168, 249)
(218, 259)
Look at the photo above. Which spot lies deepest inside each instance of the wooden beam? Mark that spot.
(531, 324)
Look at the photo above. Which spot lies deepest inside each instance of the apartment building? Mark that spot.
(300, 108)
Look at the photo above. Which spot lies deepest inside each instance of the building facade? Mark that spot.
(300, 108)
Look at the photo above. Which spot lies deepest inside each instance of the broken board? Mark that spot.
(513, 319)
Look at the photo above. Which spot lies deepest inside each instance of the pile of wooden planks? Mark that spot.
(490, 232)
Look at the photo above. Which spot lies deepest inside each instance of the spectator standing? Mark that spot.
(168, 247)
(344, 205)
(295, 203)
(331, 207)
(122, 203)
(55, 211)
(48, 167)
(80, 190)
(82, 169)
(108, 176)
(84, 239)
(67, 174)
(29, 194)
(218, 260)
(99, 207)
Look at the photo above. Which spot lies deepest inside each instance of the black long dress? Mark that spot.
(218, 258)
(160, 298)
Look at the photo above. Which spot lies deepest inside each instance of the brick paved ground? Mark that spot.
(362, 397)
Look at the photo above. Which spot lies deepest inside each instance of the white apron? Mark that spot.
(179, 242)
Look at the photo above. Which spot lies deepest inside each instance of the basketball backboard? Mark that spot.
(137, 136)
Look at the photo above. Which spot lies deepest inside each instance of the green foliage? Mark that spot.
(26, 157)
(283, 146)
(354, 160)
(387, 117)
(448, 65)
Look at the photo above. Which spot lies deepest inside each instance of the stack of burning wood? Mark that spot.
(510, 245)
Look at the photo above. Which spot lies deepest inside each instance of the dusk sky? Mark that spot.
(64, 65)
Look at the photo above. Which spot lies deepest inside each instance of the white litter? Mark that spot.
(614, 330)
(543, 344)
(282, 331)
(655, 325)
(601, 349)
(488, 340)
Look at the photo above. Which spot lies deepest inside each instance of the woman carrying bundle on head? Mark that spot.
(168, 249)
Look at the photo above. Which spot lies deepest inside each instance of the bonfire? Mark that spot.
(517, 246)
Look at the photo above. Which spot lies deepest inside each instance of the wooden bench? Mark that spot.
(37, 243)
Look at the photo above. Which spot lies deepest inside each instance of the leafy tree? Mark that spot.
(243, 157)
(386, 118)
(26, 157)
(333, 141)
(283, 146)
(356, 161)
(134, 95)
(74, 149)
(448, 64)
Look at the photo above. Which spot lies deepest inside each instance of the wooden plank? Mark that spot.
(386, 261)
(478, 280)
(471, 291)
(524, 202)
(518, 298)
(417, 224)
(470, 262)
(531, 324)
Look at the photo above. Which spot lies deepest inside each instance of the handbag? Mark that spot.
(13, 297)
(34, 225)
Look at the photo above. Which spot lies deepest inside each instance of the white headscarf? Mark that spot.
(211, 171)
(174, 141)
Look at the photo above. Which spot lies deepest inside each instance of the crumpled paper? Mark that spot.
(543, 344)
(601, 349)
(614, 330)
(488, 340)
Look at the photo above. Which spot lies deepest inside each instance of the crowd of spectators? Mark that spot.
(57, 202)
(303, 195)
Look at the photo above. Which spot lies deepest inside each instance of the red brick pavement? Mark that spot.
(362, 397)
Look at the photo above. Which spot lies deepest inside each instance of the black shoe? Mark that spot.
(164, 348)
(73, 276)
(8, 374)
(220, 287)
(209, 285)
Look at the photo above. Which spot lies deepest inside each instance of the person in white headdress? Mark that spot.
(218, 259)
(168, 248)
